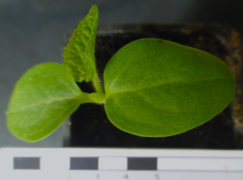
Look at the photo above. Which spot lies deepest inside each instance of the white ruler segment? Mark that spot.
(119, 164)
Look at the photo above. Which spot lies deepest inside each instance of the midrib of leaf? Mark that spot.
(51, 99)
(42, 103)
(158, 108)
(131, 117)
(151, 104)
(166, 83)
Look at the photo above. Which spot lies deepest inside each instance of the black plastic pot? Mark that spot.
(90, 127)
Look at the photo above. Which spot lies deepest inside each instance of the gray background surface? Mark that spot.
(33, 31)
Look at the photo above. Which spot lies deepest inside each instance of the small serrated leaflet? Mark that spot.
(79, 54)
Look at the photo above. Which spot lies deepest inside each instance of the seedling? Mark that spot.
(153, 87)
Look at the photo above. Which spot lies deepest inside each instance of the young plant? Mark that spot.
(153, 87)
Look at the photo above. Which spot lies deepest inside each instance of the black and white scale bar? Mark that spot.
(110, 163)
(92, 163)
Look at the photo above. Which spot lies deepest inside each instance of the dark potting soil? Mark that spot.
(90, 126)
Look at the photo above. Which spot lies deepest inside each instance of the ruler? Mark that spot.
(119, 164)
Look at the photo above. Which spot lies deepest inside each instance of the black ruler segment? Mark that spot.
(26, 163)
(84, 163)
(140, 163)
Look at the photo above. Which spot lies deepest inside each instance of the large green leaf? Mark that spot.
(42, 99)
(159, 88)
(79, 53)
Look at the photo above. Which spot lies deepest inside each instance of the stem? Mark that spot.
(97, 86)
(85, 98)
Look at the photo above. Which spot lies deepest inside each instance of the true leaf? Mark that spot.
(79, 53)
(158, 88)
(42, 99)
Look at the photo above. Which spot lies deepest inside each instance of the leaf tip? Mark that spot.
(94, 8)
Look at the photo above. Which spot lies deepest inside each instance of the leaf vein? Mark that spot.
(166, 83)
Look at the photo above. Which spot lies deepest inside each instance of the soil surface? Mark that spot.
(90, 126)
